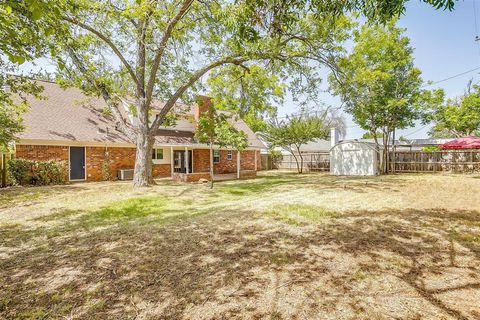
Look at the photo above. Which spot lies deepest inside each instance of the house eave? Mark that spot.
(114, 144)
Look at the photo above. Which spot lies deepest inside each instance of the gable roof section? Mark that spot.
(71, 116)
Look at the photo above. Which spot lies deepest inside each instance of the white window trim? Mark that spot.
(229, 155)
(159, 161)
(216, 157)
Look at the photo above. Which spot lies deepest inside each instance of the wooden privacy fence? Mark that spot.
(464, 161)
(314, 161)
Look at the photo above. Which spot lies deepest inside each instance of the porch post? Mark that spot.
(171, 159)
(238, 164)
(186, 160)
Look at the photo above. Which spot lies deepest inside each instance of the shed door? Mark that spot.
(77, 163)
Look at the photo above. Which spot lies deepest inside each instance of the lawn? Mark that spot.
(282, 246)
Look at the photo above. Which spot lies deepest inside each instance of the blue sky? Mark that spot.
(444, 45)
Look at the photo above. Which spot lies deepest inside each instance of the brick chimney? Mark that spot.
(203, 104)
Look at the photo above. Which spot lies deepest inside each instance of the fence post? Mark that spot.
(4, 171)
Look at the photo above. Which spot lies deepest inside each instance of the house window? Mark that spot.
(216, 156)
(157, 154)
(229, 155)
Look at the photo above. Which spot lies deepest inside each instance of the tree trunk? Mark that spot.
(386, 150)
(211, 166)
(296, 161)
(301, 162)
(142, 176)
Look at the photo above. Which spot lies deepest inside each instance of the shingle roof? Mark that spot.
(70, 115)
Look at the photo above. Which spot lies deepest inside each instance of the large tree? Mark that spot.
(457, 117)
(134, 52)
(379, 84)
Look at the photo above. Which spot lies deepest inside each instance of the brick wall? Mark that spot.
(41, 153)
(201, 161)
(124, 158)
(120, 158)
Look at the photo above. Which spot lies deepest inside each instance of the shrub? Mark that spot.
(431, 148)
(106, 172)
(39, 173)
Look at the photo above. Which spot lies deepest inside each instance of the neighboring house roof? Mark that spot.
(319, 145)
(70, 115)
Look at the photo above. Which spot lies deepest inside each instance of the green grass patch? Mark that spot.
(298, 213)
(281, 258)
(252, 186)
(124, 210)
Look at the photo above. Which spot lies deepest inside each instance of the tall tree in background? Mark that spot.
(148, 49)
(379, 84)
(458, 117)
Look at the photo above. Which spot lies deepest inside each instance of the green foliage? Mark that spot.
(369, 135)
(25, 26)
(216, 128)
(22, 37)
(252, 92)
(106, 172)
(431, 148)
(12, 109)
(457, 117)
(379, 84)
(295, 131)
(40, 173)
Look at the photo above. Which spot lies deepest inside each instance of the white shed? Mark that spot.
(354, 158)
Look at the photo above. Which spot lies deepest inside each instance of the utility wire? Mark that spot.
(418, 130)
(452, 77)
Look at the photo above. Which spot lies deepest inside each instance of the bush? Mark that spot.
(39, 173)
(431, 148)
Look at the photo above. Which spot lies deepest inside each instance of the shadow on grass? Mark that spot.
(12, 196)
(233, 263)
(318, 181)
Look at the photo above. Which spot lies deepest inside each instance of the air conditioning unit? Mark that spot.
(125, 174)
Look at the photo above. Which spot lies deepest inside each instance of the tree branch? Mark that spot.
(120, 121)
(109, 42)
(180, 91)
(163, 44)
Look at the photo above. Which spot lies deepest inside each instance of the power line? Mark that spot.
(418, 130)
(452, 77)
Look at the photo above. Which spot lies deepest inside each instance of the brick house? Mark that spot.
(75, 128)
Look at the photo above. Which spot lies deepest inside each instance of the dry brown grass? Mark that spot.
(278, 247)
